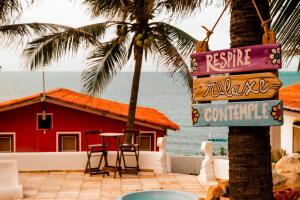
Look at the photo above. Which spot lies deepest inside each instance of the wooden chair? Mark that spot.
(130, 148)
(95, 148)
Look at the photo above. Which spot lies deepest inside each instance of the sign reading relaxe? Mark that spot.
(254, 113)
(242, 59)
(236, 87)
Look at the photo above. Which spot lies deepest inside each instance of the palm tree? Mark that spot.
(137, 34)
(249, 147)
(12, 33)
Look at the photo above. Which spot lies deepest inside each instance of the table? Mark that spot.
(117, 167)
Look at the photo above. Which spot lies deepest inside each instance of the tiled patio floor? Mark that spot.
(76, 185)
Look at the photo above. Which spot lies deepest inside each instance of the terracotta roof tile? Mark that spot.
(143, 114)
(290, 96)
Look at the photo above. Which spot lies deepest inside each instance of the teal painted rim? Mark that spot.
(192, 196)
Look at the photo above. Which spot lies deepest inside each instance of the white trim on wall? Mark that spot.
(14, 139)
(66, 133)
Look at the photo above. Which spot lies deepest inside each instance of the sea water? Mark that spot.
(157, 90)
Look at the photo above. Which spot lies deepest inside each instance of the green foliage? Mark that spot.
(277, 155)
(222, 151)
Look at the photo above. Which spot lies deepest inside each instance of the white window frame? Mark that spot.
(13, 134)
(152, 134)
(37, 121)
(68, 133)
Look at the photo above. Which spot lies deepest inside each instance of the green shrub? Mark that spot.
(222, 151)
(277, 155)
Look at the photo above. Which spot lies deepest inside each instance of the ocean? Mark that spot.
(157, 90)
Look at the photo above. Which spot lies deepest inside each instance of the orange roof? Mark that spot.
(143, 114)
(290, 96)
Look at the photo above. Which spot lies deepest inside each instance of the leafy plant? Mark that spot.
(277, 155)
(222, 151)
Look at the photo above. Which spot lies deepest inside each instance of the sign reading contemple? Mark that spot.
(254, 113)
(242, 59)
(236, 87)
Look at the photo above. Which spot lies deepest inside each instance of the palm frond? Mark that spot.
(181, 40)
(49, 48)
(182, 7)
(103, 63)
(109, 8)
(172, 59)
(8, 8)
(286, 20)
(19, 33)
(97, 30)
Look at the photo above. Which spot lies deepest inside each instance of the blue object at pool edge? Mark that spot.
(159, 195)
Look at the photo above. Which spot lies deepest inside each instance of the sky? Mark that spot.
(74, 14)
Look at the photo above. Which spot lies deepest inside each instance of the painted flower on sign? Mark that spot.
(276, 112)
(195, 115)
(275, 56)
(194, 64)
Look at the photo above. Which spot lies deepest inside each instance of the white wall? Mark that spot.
(287, 130)
(45, 161)
(188, 164)
(73, 160)
(221, 168)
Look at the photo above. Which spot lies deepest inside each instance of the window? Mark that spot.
(296, 137)
(6, 143)
(68, 142)
(44, 123)
(146, 141)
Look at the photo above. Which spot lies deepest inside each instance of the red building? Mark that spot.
(56, 121)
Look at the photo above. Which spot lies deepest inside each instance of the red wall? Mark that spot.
(23, 121)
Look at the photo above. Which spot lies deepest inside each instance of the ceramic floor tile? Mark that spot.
(152, 186)
(68, 195)
(75, 173)
(91, 185)
(111, 194)
(58, 172)
(68, 189)
(30, 193)
(50, 187)
(88, 196)
(76, 185)
(107, 198)
(169, 183)
(191, 186)
(110, 187)
(46, 195)
(144, 188)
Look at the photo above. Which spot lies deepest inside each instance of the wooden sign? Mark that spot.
(254, 113)
(242, 59)
(236, 87)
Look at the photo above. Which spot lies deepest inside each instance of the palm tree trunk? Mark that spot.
(249, 147)
(138, 56)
